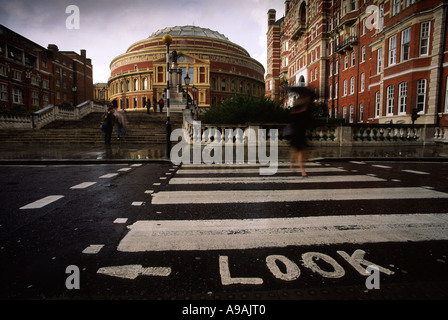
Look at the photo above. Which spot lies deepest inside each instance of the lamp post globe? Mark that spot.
(167, 39)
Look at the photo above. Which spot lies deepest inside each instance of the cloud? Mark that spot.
(109, 27)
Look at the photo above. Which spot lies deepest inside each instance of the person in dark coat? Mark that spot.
(108, 121)
(161, 105)
(301, 114)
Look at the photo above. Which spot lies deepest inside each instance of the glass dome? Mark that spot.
(189, 31)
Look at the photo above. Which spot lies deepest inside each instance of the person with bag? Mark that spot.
(161, 105)
(301, 113)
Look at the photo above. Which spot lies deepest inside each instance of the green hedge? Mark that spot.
(242, 109)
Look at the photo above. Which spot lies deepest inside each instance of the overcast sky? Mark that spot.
(107, 28)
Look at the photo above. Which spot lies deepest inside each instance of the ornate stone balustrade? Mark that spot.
(325, 135)
(51, 113)
(441, 135)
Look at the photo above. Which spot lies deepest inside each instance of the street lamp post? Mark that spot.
(187, 82)
(194, 89)
(167, 39)
(74, 89)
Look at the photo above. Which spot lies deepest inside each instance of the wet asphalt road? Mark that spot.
(38, 244)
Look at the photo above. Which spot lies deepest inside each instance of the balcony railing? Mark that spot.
(347, 44)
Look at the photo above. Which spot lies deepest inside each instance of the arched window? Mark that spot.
(135, 84)
(145, 84)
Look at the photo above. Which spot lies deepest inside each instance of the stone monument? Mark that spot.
(177, 100)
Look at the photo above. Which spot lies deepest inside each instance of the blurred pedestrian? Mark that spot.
(121, 124)
(108, 121)
(161, 104)
(301, 114)
(148, 105)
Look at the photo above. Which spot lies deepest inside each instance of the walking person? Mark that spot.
(161, 104)
(148, 105)
(108, 121)
(301, 113)
(121, 124)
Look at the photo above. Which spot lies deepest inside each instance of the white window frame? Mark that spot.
(3, 92)
(405, 44)
(390, 100)
(351, 113)
(377, 104)
(393, 50)
(446, 96)
(363, 81)
(17, 96)
(361, 112)
(402, 97)
(425, 31)
(421, 94)
(396, 6)
(379, 64)
(352, 85)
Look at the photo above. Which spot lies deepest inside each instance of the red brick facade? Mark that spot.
(32, 77)
(370, 61)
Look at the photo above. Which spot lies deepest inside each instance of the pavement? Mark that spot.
(120, 150)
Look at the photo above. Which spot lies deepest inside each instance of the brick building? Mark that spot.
(217, 67)
(370, 61)
(32, 77)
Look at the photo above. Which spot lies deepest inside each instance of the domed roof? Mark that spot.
(189, 31)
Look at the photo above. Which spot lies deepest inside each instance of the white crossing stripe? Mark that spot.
(242, 165)
(93, 249)
(186, 235)
(133, 271)
(42, 202)
(109, 175)
(252, 170)
(416, 172)
(83, 185)
(257, 196)
(278, 179)
(381, 166)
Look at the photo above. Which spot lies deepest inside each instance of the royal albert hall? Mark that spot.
(217, 67)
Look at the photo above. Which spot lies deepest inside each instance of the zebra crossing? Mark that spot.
(234, 185)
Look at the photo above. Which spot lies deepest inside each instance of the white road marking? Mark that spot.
(277, 179)
(109, 175)
(137, 203)
(258, 196)
(83, 185)
(231, 234)
(136, 165)
(243, 165)
(133, 271)
(251, 170)
(93, 249)
(357, 162)
(42, 202)
(381, 166)
(121, 220)
(416, 172)
(124, 169)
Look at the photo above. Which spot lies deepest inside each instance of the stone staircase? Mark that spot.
(141, 128)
